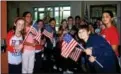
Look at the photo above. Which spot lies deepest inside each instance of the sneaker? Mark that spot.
(55, 67)
(60, 69)
(69, 72)
(75, 68)
(42, 55)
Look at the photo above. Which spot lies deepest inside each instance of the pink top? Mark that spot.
(30, 39)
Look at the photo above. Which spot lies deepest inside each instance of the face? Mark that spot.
(82, 22)
(106, 18)
(77, 21)
(70, 21)
(90, 26)
(53, 23)
(20, 25)
(40, 24)
(64, 24)
(83, 34)
(28, 18)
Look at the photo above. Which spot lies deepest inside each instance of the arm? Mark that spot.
(114, 41)
(29, 44)
(9, 36)
(115, 49)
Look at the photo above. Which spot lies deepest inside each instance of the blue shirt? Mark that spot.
(103, 53)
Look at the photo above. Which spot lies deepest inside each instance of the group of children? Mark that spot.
(25, 53)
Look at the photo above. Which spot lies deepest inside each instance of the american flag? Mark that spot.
(68, 45)
(36, 31)
(74, 55)
(48, 32)
(38, 36)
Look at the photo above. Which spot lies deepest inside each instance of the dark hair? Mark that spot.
(39, 20)
(60, 28)
(100, 19)
(77, 17)
(86, 27)
(70, 17)
(25, 13)
(63, 20)
(90, 23)
(52, 19)
(109, 12)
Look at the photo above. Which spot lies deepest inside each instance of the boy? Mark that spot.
(101, 50)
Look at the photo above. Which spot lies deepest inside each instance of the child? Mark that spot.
(39, 48)
(101, 51)
(28, 56)
(14, 46)
(110, 33)
(50, 44)
(70, 22)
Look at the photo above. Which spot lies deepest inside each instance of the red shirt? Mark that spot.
(12, 40)
(111, 35)
(9, 36)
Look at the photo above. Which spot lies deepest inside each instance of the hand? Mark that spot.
(64, 32)
(88, 51)
(34, 44)
(35, 41)
(92, 59)
(18, 47)
(42, 42)
(72, 32)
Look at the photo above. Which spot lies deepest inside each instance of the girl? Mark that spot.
(64, 27)
(68, 64)
(29, 46)
(91, 28)
(39, 48)
(100, 50)
(14, 46)
(110, 33)
(59, 59)
(50, 44)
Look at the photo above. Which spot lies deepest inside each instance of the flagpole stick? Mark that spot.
(95, 59)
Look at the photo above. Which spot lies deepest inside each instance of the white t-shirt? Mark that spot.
(15, 57)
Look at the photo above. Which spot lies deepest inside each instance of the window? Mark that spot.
(58, 12)
(39, 13)
(49, 11)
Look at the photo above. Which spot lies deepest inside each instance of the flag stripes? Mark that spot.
(67, 48)
(75, 54)
(48, 34)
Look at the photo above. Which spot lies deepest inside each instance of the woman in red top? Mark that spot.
(110, 33)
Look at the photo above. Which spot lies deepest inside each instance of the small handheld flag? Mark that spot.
(68, 45)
